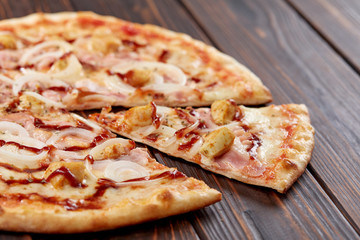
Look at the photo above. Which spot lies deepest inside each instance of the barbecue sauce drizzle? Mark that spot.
(40, 124)
(91, 202)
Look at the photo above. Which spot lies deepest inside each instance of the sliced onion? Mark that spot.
(72, 72)
(190, 128)
(86, 134)
(114, 84)
(167, 131)
(13, 128)
(28, 56)
(99, 148)
(162, 69)
(169, 142)
(19, 159)
(67, 155)
(88, 168)
(48, 55)
(6, 79)
(32, 76)
(162, 110)
(86, 121)
(48, 102)
(195, 148)
(137, 155)
(26, 141)
(125, 170)
(145, 131)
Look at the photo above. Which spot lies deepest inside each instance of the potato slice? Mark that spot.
(138, 77)
(217, 143)
(139, 116)
(223, 111)
(7, 42)
(76, 169)
(104, 44)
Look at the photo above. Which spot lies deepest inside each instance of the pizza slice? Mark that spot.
(60, 173)
(268, 146)
(86, 61)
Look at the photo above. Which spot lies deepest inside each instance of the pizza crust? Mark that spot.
(46, 218)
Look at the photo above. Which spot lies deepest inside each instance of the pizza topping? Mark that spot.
(255, 144)
(152, 137)
(62, 173)
(46, 51)
(90, 125)
(151, 75)
(104, 44)
(9, 59)
(7, 41)
(137, 77)
(125, 170)
(183, 131)
(217, 143)
(165, 54)
(78, 136)
(112, 148)
(205, 116)
(22, 151)
(141, 116)
(190, 144)
(13, 129)
(35, 102)
(223, 111)
(36, 81)
(55, 126)
(6, 79)
(69, 70)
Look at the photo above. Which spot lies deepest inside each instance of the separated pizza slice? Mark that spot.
(60, 173)
(268, 146)
(86, 61)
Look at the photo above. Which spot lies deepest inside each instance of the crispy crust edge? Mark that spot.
(54, 219)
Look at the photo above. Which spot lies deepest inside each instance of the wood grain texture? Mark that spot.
(246, 212)
(298, 67)
(338, 22)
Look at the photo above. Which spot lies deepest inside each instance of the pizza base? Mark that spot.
(83, 196)
(46, 218)
(289, 162)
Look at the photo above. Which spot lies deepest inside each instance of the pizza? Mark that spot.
(269, 146)
(59, 167)
(61, 173)
(86, 61)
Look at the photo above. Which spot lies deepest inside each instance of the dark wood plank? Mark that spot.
(337, 21)
(298, 67)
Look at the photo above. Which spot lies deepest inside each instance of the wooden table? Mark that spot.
(305, 51)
